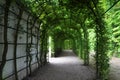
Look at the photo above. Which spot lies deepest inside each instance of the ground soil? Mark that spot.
(66, 67)
(69, 67)
(114, 69)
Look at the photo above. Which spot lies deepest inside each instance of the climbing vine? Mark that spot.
(15, 42)
(4, 54)
(70, 23)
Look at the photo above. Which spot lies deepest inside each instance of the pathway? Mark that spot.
(114, 69)
(66, 67)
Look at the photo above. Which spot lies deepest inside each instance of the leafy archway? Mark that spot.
(72, 20)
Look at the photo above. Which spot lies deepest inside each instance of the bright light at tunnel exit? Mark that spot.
(49, 54)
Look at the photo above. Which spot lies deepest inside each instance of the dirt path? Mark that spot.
(114, 69)
(66, 67)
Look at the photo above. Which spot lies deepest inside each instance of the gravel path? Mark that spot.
(114, 69)
(66, 67)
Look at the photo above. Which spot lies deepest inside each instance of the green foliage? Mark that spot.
(82, 25)
(112, 19)
(92, 39)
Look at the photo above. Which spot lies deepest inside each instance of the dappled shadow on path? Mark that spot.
(66, 67)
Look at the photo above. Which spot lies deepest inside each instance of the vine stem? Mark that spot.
(5, 50)
(15, 42)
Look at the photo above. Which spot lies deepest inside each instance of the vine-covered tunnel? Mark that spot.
(32, 32)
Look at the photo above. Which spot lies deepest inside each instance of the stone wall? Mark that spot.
(22, 66)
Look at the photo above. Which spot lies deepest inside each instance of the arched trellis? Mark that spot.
(81, 23)
(84, 29)
(96, 15)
